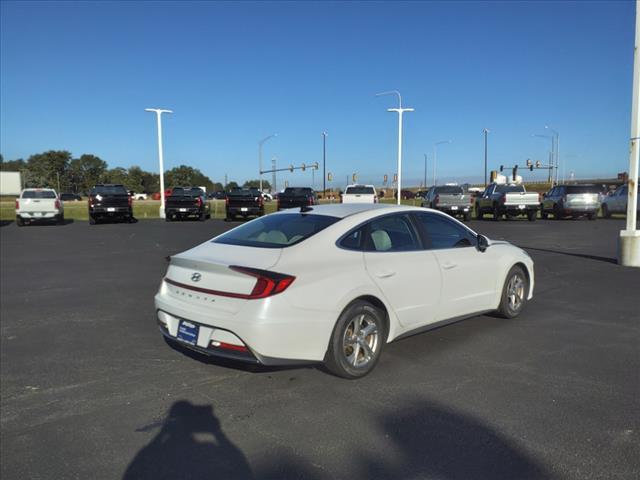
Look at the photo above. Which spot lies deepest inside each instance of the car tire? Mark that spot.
(605, 212)
(532, 215)
(352, 352)
(591, 216)
(544, 215)
(19, 221)
(202, 217)
(467, 216)
(60, 219)
(514, 293)
(92, 220)
(479, 214)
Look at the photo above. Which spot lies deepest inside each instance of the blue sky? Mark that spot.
(78, 76)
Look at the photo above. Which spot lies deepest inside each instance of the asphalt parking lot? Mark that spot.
(91, 390)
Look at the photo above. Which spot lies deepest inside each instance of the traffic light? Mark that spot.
(291, 168)
(515, 172)
(315, 165)
(501, 167)
(303, 167)
(329, 177)
(538, 164)
(395, 178)
(385, 179)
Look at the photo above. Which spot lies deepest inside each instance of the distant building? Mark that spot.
(10, 183)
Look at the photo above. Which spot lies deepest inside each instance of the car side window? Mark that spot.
(442, 232)
(353, 240)
(392, 233)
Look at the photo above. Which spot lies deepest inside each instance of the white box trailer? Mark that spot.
(10, 183)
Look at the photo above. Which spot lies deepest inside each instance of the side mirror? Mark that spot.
(483, 243)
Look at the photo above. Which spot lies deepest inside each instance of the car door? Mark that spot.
(407, 275)
(547, 202)
(486, 202)
(468, 275)
(620, 200)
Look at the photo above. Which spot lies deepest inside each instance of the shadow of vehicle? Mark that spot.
(4, 223)
(571, 254)
(190, 445)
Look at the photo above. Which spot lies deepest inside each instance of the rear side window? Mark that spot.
(393, 233)
(443, 233)
(276, 231)
(360, 190)
(354, 240)
(38, 194)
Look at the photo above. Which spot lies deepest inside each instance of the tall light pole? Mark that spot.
(435, 159)
(486, 132)
(159, 112)
(260, 143)
(425, 171)
(324, 164)
(629, 240)
(400, 111)
(557, 150)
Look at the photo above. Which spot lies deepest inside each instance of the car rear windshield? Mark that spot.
(509, 188)
(186, 192)
(38, 194)
(297, 191)
(360, 191)
(571, 189)
(451, 190)
(277, 231)
(244, 193)
(109, 190)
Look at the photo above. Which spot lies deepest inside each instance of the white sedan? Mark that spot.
(335, 283)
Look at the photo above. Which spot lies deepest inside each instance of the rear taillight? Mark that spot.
(17, 204)
(226, 201)
(130, 198)
(90, 201)
(267, 283)
(310, 200)
(375, 199)
(436, 200)
(503, 198)
(199, 201)
(57, 204)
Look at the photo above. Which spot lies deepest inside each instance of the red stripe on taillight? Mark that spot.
(17, 205)
(267, 283)
(57, 204)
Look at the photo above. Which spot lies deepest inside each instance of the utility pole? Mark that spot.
(629, 240)
(324, 163)
(273, 175)
(486, 132)
(159, 113)
(260, 143)
(425, 171)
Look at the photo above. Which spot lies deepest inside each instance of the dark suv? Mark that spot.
(110, 201)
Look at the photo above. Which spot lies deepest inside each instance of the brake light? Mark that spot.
(503, 198)
(57, 204)
(436, 200)
(90, 200)
(17, 205)
(267, 283)
(310, 200)
(199, 201)
(130, 200)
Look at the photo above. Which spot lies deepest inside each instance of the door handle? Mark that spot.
(449, 265)
(385, 274)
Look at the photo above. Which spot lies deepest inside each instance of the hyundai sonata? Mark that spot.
(335, 283)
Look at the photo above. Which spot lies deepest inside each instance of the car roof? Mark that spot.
(342, 210)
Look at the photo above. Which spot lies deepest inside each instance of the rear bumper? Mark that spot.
(38, 215)
(518, 208)
(580, 209)
(454, 209)
(244, 210)
(107, 212)
(182, 211)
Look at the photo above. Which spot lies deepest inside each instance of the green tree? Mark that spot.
(48, 169)
(85, 172)
(256, 184)
(13, 165)
(217, 187)
(117, 175)
(184, 176)
(231, 186)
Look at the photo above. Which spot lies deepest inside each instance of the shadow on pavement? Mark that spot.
(418, 439)
(581, 255)
(4, 223)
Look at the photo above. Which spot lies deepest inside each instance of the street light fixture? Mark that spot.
(486, 132)
(159, 112)
(435, 158)
(400, 111)
(260, 143)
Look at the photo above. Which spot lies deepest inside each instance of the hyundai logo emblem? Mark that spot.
(195, 277)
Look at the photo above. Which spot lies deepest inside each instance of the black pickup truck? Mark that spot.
(110, 201)
(293, 197)
(187, 202)
(245, 202)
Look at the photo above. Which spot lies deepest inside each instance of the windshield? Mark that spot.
(38, 194)
(572, 189)
(276, 231)
(188, 192)
(302, 191)
(449, 190)
(360, 190)
(244, 193)
(509, 188)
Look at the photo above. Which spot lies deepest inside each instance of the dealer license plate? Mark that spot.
(521, 207)
(111, 209)
(183, 209)
(244, 209)
(454, 208)
(188, 332)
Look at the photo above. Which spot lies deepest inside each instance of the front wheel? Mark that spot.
(514, 293)
(591, 216)
(357, 340)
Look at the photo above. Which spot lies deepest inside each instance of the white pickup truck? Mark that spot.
(360, 194)
(510, 200)
(39, 204)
